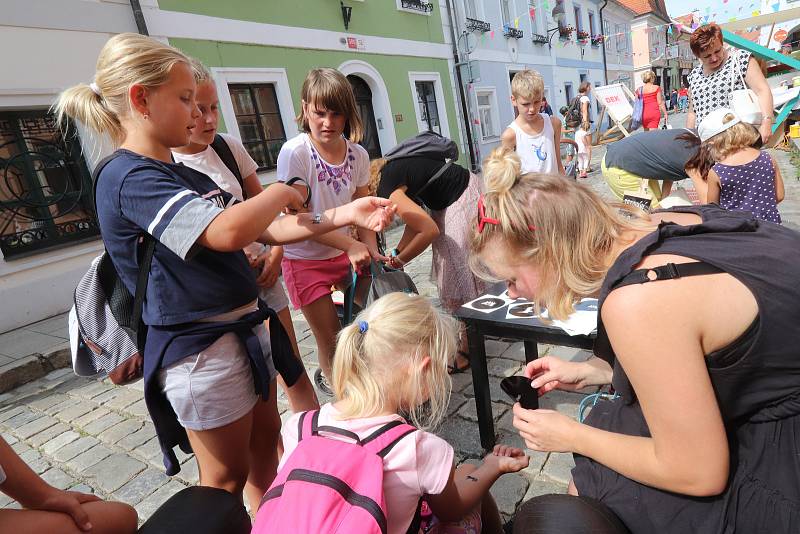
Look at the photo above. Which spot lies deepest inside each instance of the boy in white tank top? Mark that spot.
(533, 135)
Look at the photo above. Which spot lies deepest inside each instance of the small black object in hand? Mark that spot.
(519, 388)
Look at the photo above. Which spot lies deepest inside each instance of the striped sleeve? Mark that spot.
(174, 215)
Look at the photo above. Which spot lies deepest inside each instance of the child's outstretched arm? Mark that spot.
(557, 143)
(463, 492)
(366, 236)
(779, 190)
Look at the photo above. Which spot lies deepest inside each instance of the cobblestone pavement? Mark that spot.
(90, 435)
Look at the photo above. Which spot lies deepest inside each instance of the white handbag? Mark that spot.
(744, 102)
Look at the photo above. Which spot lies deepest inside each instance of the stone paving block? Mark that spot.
(113, 472)
(77, 409)
(126, 397)
(544, 486)
(508, 492)
(73, 449)
(22, 418)
(138, 438)
(21, 342)
(462, 381)
(462, 435)
(107, 421)
(91, 390)
(20, 446)
(562, 401)
(457, 400)
(136, 386)
(46, 400)
(44, 436)
(34, 427)
(83, 488)
(502, 367)
(569, 354)
(9, 438)
(495, 392)
(35, 461)
(140, 486)
(516, 352)
(149, 505)
(88, 458)
(138, 409)
(559, 466)
(5, 500)
(58, 373)
(63, 405)
(189, 473)
(495, 347)
(470, 412)
(150, 450)
(123, 429)
(10, 412)
(59, 441)
(58, 478)
(94, 415)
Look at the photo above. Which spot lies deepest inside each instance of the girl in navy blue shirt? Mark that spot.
(209, 377)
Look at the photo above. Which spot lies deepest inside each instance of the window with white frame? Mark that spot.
(487, 111)
(260, 124)
(428, 110)
(592, 25)
(538, 18)
(621, 38)
(606, 33)
(578, 18)
(506, 11)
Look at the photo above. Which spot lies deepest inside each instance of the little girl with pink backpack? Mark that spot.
(356, 466)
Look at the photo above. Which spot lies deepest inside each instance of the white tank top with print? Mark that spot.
(537, 152)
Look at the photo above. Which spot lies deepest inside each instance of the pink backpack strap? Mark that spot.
(305, 424)
(386, 437)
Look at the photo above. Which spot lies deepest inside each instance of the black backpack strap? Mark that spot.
(433, 178)
(668, 272)
(316, 429)
(224, 152)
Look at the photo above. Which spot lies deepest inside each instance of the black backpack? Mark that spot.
(572, 118)
(429, 145)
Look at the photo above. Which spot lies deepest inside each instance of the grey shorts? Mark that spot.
(214, 387)
(274, 296)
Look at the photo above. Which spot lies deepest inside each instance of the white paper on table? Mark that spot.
(583, 321)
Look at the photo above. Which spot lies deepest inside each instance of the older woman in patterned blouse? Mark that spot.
(710, 82)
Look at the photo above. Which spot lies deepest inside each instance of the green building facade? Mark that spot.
(393, 52)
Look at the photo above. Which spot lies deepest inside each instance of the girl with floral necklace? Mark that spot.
(328, 157)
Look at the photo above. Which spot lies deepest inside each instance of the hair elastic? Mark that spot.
(95, 89)
(363, 326)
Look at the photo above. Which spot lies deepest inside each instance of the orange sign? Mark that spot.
(780, 36)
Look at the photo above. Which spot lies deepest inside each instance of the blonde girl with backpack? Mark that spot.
(392, 360)
(327, 155)
(201, 155)
(208, 370)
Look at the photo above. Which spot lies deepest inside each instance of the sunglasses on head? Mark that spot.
(483, 220)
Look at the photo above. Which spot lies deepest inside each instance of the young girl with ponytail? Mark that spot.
(392, 360)
(209, 375)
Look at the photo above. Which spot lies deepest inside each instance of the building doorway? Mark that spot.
(363, 94)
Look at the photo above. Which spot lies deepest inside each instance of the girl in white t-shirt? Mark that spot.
(393, 359)
(201, 156)
(327, 155)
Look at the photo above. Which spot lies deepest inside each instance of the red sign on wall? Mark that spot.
(352, 43)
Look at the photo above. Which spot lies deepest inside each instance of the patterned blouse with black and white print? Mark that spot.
(714, 91)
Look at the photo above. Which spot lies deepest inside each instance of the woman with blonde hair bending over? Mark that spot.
(392, 360)
(209, 374)
(703, 436)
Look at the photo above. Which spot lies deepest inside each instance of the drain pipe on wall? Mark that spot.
(605, 65)
(138, 16)
(474, 167)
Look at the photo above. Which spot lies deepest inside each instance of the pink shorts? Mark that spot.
(308, 280)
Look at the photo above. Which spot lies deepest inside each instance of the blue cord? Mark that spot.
(594, 398)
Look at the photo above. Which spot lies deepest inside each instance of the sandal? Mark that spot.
(453, 368)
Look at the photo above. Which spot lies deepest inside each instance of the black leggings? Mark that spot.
(199, 510)
(566, 514)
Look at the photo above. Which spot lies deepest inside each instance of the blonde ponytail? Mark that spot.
(126, 60)
(551, 222)
(378, 356)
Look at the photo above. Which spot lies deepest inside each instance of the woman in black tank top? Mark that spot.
(696, 332)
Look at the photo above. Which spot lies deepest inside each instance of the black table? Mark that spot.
(530, 331)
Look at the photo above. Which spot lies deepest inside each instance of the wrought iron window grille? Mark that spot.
(512, 32)
(417, 5)
(475, 25)
(539, 38)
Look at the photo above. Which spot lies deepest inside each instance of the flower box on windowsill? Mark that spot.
(417, 5)
(597, 40)
(512, 32)
(582, 37)
(538, 38)
(475, 25)
(565, 32)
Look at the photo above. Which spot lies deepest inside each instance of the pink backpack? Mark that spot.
(329, 485)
